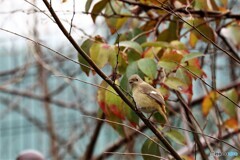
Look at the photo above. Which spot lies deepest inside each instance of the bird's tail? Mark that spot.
(163, 112)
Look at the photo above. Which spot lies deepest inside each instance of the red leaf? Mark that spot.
(103, 106)
(114, 109)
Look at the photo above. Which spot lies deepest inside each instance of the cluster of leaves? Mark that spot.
(150, 47)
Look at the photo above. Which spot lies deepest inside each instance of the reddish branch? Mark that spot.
(200, 13)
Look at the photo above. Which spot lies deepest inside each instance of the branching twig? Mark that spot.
(90, 148)
(192, 126)
(120, 143)
(112, 84)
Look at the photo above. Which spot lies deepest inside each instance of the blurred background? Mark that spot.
(36, 108)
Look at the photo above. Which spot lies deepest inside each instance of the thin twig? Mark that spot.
(72, 78)
(38, 43)
(137, 154)
(112, 84)
(192, 126)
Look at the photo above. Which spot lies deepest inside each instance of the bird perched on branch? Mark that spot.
(147, 98)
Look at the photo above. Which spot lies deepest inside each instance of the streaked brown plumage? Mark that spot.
(147, 98)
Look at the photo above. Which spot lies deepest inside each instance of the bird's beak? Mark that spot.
(130, 81)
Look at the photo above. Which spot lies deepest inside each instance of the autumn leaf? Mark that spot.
(202, 26)
(231, 123)
(229, 107)
(151, 148)
(208, 102)
(113, 106)
(102, 53)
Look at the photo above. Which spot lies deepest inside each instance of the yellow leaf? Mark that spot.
(208, 102)
(231, 123)
(193, 39)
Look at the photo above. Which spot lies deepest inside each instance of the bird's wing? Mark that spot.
(153, 93)
(158, 97)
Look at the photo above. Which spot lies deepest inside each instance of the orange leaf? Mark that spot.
(208, 102)
(231, 123)
(172, 56)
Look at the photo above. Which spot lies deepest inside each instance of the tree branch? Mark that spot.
(90, 148)
(119, 144)
(200, 13)
(112, 84)
(192, 126)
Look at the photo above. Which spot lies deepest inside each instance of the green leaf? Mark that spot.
(183, 75)
(169, 66)
(156, 44)
(151, 148)
(98, 7)
(86, 47)
(127, 36)
(88, 5)
(132, 45)
(133, 56)
(122, 63)
(102, 53)
(172, 32)
(190, 56)
(124, 83)
(133, 69)
(135, 32)
(175, 83)
(148, 67)
(176, 136)
(108, 103)
(195, 71)
(83, 64)
(100, 57)
(228, 106)
(203, 27)
(159, 118)
(115, 23)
